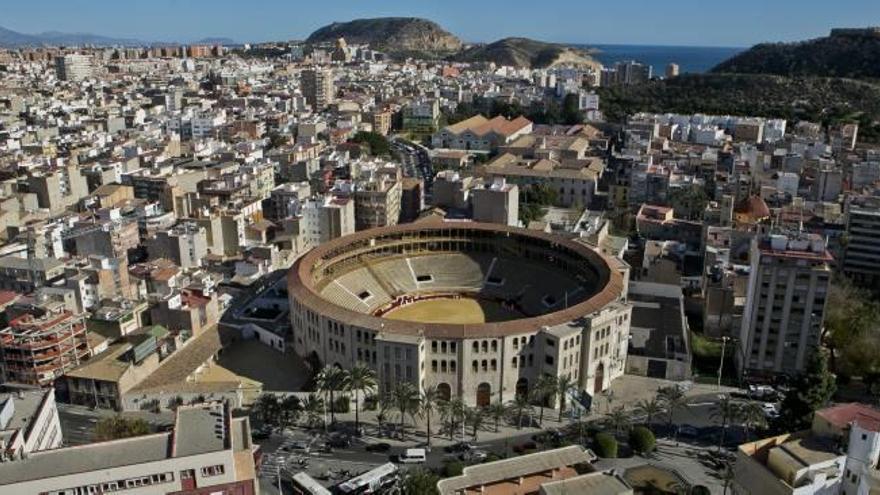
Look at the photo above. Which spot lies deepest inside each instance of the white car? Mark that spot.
(413, 456)
(770, 409)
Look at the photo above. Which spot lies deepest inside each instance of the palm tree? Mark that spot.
(430, 398)
(752, 416)
(725, 412)
(360, 379)
(520, 407)
(386, 402)
(672, 399)
(290, 409)
(544, 388)
(406, 397)
(650, 408)
(496, 411)
(564, 385)
(330, 380)
(618, 420)
(313, 406)
(267, 409)
(456, 415)
(475, 417)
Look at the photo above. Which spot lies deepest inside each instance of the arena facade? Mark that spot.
(478, 310)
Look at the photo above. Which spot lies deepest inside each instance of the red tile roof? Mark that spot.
(842, 415)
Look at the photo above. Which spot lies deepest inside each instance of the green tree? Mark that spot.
(360, 379)
(520, 407)
(267, 409)
(475, 418)
(650, 408)
(452, 468)
(313, 406)
(378, 144)
(289, 411)
(752, 417)
(544, 389)
(420, 481)
(606, 445)
(726, 411)
(406, 399)
(386, 402)
(673, 399)
(688, 202)
(810, 391)
(618, 420)
(851, 318)
(429, 400)
(116, 427)
(642, 440)
(497, 411)
(330, 380)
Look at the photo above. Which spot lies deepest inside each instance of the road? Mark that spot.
(415, 160)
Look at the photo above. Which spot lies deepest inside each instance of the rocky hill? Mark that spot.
(850, 53)
(528, 53)
(394, 35)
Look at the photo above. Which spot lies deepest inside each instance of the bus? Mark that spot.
(303, 484)
(371, 481)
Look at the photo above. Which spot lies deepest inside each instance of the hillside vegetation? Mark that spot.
(528, 53)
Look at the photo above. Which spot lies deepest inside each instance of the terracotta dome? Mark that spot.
(753, 207)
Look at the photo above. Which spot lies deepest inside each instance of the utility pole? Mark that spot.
(721, 364)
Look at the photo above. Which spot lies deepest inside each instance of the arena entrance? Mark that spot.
(484, 395)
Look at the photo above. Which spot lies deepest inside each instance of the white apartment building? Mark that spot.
(326, 218)
(28, 423)
(785, 303)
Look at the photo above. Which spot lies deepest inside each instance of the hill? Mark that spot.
(394, 35)
(527, 53)
(817, 99)
(852, 53)
(14, 39)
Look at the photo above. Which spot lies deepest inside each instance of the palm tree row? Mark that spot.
(331, 379)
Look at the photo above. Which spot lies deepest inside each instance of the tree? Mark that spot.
(420, 481)
(360, 379)
(289, 411)
(267, 409)
(851, 327)
(175, 402)
(544, 389)
(642, 440)
(520, 407)
(117, 427)
(377, 143)
(329, 381)
(618, 420)
(752, 417)
(386, 402)
(688, 201)
(810, 391)
(606, 446)
(672, 399)
(650, 408)
(725, 412)
(430, 398)
(475, 418)
(313, 406)
(453, 468)
(564, 385)
(496, 411)
(406, 399)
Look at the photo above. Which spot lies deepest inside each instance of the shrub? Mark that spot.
(642, 440)
(453, 468)
(341, 404)
(606, 445)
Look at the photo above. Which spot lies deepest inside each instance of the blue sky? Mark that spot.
(673, 22)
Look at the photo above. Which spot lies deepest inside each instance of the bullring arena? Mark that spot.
(477, 310)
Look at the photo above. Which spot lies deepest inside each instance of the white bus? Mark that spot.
(303, 484)
(371, 481)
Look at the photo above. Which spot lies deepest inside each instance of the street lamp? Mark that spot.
(721, 364)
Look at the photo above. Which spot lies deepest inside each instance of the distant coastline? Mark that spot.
(690, 59)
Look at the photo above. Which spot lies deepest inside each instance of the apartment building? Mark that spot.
(861, 259)
(327, 218)
(24, 275)
(36, 349)
(58, 188)
(785, 303)
(422, 116)
(208, 452)
(377, 203)
(74, 67)
(498, 202)
(28, 422)
(186, 244)
(318, 88)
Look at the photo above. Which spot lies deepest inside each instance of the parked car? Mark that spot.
(474, 455)
(459, 447)
(762, 392)
(413, 456)
(378, 447)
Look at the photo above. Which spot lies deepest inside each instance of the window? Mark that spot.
(475, 365)
(434, 346)
(452, 347)
(514, 361)
(485, 365)
(443, 346)
(549, 360)
(494, 346)
(476, 346)
(485, 346)
(434, 365)
(452, 366)
(494, 365)
(443, 366)
(516, 343)
(213, 470)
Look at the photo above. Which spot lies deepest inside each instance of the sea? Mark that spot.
(690, 59)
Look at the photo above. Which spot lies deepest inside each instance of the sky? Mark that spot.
(673, 22)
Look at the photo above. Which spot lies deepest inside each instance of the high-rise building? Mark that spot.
(861, 259)
(785, 303)
(318, 88)
(326, 219)
(74, 67)
(672, 70)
